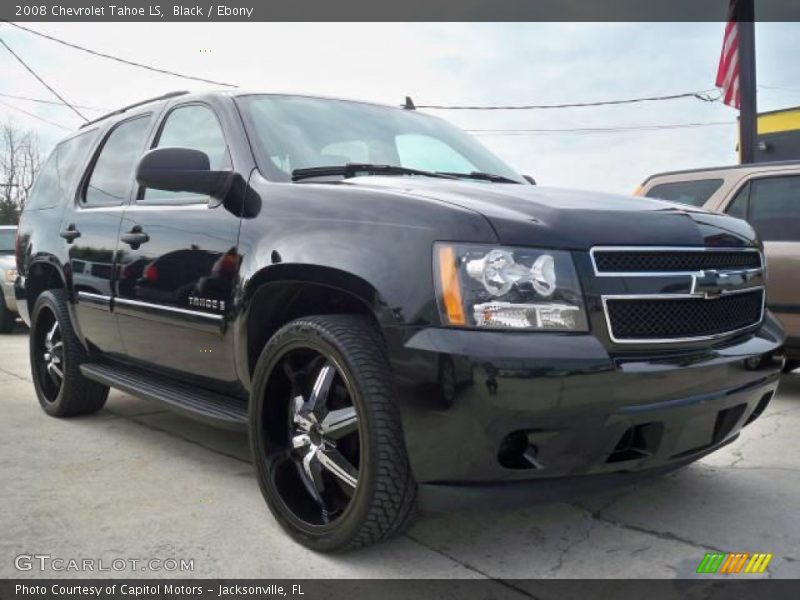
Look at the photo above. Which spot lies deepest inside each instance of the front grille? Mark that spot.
(671, 261)
(668, 319)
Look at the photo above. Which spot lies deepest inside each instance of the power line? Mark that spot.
(52, 102)
(589, 130)
(702, 95)
(779, 88)
(120, 60)
(42, 81)
(35, 116)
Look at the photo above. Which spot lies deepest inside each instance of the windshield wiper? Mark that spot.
(481, 176)
(354, 169)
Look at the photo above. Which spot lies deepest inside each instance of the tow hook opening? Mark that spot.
(516, 451)
(639, 441)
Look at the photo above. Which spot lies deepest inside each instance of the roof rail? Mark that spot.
(119, 111)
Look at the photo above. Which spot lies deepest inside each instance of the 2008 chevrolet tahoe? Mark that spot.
(381, 302)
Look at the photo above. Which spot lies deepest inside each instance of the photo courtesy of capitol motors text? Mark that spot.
(75, 591)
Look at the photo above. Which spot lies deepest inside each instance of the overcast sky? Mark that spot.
(446, 63)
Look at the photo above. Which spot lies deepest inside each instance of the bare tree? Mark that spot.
(20, 160)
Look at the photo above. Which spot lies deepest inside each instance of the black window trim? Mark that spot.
(139, 198)
(80, 192)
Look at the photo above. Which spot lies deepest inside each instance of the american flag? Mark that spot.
(728, 70)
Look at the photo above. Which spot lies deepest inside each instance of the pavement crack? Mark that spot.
(474, 569)
(7, 372)
(568, 548)
(662, 535)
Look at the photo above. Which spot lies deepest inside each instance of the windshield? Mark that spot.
(296, 132)
(7, 241)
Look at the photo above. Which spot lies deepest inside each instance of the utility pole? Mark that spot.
(748, 112)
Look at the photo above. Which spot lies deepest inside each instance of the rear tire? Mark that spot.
(326, 436)
(56, 355)
(7, 318)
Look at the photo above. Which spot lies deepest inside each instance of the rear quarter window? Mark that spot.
(57, 178)
(693, 193)
(72, 156)
(45, 192)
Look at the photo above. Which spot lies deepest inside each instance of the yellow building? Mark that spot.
(778, 135)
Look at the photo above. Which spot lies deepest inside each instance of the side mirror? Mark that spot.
(529, 179)
(182, 170)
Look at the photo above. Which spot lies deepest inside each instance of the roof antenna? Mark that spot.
(409, 105)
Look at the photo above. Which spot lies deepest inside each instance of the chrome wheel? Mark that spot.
(54, 354)
(322, 441)
(50, 356)
(326, 434)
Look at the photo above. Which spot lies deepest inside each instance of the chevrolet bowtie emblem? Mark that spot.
(712, 283)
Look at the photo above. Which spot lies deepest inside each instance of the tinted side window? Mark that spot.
(194, 127)
(45, 192)
(774, 210)
(72, 155)
(112, 174)
(738, 206)
(694, 193)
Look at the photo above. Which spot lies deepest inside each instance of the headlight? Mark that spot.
(11, 275)
(508, 288)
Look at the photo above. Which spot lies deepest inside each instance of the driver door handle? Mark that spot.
(135, 237)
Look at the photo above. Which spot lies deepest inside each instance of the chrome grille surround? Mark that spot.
(744, 275)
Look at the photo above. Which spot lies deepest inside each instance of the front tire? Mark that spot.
(326, 437)
(56, 355)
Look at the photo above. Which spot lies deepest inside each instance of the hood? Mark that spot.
(531, 215)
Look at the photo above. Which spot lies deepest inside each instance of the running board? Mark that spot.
(215, 409)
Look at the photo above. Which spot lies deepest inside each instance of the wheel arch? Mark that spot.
(43, 274)
(278, 294)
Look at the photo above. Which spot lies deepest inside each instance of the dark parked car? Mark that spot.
(383, 303)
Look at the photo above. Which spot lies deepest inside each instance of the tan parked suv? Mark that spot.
(768, 196)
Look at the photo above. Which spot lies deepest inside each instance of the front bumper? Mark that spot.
(482, 406)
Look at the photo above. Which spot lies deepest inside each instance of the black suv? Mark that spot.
(381, 302)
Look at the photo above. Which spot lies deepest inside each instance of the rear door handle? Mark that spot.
(135, 237)
(70, 234)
